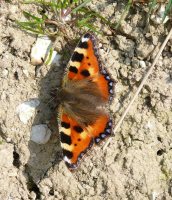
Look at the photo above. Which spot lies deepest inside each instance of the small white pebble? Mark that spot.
(142, 64)
(27, 109)
(40, 133)
(40, 49)
(8, 139)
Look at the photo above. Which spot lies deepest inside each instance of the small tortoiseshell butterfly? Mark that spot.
(86, 89)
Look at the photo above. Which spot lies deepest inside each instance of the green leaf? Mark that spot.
(80, 6)
(28, 15)
(30, 26)
(49, 56)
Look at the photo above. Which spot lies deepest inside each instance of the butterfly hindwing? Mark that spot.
(77, 139)
(74, 141)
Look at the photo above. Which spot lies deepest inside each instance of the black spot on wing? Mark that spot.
(83, 45)
(85, 73)
(78, 129)
(67, 153)
(65, 125)
(65, 138)
(73, 69)
(77, 57)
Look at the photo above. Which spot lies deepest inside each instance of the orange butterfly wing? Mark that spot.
(76, 140)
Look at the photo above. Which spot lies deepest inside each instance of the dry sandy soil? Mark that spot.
(137, 165)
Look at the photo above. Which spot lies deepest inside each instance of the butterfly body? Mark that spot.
(86, 90)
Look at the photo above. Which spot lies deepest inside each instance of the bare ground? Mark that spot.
(137, 164)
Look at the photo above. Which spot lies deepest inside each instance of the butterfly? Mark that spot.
(86, 90)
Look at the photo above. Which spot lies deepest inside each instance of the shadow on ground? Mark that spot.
(43, 157)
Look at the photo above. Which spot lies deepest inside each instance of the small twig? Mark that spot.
(140, 87)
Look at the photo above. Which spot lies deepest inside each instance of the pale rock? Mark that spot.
(40, 50)
(9, 139)
(27, 109)
(40, 133)
(142, 64)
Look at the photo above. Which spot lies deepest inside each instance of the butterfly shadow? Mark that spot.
(44, 156)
